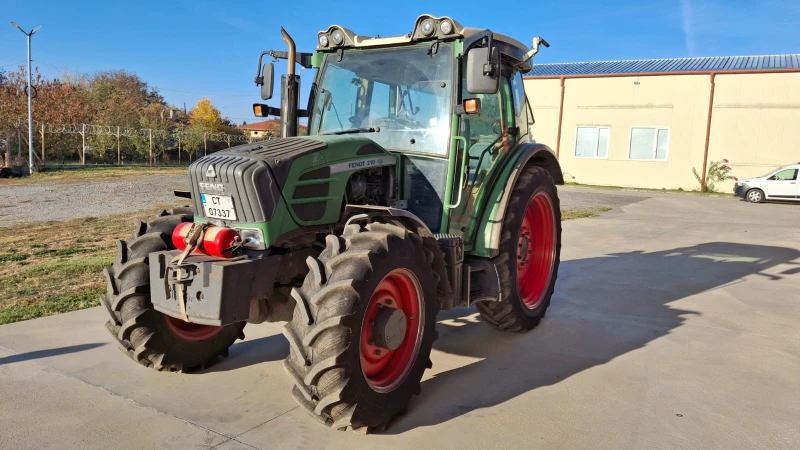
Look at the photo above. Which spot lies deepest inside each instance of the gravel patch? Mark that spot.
(588, 198)
(62, 201)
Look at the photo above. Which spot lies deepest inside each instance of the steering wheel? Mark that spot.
(497, 127)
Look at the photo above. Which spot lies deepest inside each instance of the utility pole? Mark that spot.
(42, 144)
(150, 130)
(30, 97)
(83, 143)
(119, 152)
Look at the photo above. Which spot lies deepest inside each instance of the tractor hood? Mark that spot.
(256, 174)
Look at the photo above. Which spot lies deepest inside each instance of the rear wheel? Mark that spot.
(755, 196)
(149, 337)
(530, 249)
(363, 327)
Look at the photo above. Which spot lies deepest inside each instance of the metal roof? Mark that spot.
(705, 64)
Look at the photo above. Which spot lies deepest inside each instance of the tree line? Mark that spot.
(110, 98)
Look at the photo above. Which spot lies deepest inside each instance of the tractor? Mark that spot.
(416, 187)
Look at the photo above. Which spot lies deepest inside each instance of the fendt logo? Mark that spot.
(211, 172)
(211, 187)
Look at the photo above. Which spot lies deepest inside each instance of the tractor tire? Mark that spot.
(353, 368)
(144, 334)
(530, 250)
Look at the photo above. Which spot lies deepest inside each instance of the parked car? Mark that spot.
(780, 184)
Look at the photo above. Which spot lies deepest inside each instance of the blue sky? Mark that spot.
(191, 48)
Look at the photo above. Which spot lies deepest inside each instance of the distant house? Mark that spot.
(261, 130)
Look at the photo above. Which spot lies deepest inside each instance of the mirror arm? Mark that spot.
(304, 59)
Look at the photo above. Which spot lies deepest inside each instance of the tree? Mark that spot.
(206, 115)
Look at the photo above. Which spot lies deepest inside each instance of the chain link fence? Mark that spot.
(90, 144)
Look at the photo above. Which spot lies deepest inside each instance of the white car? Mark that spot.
(780, 184)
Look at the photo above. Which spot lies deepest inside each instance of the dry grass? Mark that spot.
(569, 214)
(95, 173)
(54, 267)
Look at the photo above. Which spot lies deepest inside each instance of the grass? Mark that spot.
(621, 188)
(55, 267)
(569, 214)
(93, 173)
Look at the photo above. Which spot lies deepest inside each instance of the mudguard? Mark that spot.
(487, 240)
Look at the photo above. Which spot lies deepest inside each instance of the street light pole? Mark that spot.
(30, 97)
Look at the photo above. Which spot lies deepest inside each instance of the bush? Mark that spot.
(718, 171)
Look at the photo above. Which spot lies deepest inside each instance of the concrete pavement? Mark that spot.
(676, 323)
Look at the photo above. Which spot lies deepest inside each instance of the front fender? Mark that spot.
(487, 241)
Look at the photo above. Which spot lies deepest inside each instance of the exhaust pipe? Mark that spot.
(290, 85)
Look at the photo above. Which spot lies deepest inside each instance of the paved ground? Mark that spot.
(676, 324)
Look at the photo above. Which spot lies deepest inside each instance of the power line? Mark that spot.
(65, 70)
(207, 94)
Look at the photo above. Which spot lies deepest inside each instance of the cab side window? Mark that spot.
(523, 121)
(785, 175)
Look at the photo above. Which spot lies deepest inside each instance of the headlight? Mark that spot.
(323, 40)
(252, 238)
(446, 27)
(337, 37)
(428, 27)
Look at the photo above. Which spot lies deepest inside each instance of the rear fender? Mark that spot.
(487, 241)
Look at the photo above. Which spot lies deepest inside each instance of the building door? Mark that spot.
(783, 184)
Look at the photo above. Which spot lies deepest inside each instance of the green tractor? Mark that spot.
(416, 188)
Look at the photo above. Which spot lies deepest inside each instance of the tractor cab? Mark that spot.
(448, 100)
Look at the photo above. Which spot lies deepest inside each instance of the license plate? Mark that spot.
(218, 206)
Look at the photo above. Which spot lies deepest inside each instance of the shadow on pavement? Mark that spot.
(251, 352)
(48, 353)
(603, 308)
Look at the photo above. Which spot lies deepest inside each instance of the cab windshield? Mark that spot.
(398, 97)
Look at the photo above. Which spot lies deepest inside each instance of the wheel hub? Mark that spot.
(389, 329)
(191, 331)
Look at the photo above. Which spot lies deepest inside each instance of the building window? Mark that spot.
(649, 144)
(592, 142)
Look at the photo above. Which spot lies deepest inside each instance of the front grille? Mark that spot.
(248, 181)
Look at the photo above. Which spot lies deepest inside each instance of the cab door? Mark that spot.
(489, 136)
(783, 185)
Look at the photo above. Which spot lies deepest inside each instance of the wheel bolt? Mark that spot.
(372, 323)
(378, 352)
(389, 301)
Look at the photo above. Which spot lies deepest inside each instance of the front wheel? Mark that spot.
(146, 335)
(530, 251)
(363, 327)
(755, 196)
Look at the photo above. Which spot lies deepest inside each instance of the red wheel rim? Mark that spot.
(191, 331)
(536, 250)
(385, 369)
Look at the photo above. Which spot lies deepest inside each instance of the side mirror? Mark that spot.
(267, 81)
(483, 71)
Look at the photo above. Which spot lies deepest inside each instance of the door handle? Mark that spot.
(462, 163)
